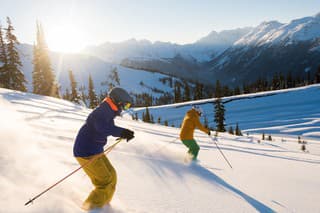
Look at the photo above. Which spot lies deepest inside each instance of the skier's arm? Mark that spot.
(200, 127)
(107, 127)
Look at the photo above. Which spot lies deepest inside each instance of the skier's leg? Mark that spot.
(194, 149)
(110, 189)
(103, 177)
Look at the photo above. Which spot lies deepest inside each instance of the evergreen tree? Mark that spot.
(219, 115)
(198, 93)
(289, 81)
(14, 76)
(245, 88)
(231, 130)
(218, 90)
(206, 123)
(93, 99)
(317, 77)
(186, 94)
(114, 76)
(113, 79)
(67, 95)
(3, 62)
(237, 91)
(83, 95)
(177, 92)
(238, 131)
(43, 78)
(147, 117)
(275, 82)
(74, 92)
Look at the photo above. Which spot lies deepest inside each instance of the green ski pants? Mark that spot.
(193, 147)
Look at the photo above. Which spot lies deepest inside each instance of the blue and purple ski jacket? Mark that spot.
(92, 136)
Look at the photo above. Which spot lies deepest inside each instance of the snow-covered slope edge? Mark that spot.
(288, 112)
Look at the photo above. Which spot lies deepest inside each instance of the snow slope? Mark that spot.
(284, 112)
(36, 139)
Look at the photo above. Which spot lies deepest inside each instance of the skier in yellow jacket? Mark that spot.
(190, 122)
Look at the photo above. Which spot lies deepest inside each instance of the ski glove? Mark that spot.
(127, 134)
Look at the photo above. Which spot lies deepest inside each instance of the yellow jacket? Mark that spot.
(190, 122)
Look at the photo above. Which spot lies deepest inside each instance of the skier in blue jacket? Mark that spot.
(91, 139)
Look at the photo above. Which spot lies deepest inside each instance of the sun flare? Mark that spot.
(65, 39)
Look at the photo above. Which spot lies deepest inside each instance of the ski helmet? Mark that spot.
(120, 97)
(198, 109)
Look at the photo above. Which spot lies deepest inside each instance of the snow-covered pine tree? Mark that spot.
(74, 91)
(43, 78)
(93, 99)
(15, 76)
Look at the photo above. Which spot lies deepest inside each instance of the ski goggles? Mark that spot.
(127, 106)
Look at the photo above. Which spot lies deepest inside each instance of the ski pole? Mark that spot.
(220, 151)
(71, 173)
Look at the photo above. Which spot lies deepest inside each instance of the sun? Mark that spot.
(65, 39)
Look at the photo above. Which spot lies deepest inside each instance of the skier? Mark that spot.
(90, 141)
(190, 122)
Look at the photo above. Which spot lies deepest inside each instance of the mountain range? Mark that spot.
(231, 56)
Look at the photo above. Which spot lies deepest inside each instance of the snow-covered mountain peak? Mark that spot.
(273, 32)
(256, 35)
(225, 37)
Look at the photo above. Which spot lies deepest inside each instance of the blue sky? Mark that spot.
(90, 22)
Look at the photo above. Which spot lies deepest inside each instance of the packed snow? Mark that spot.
(37, 135)
(295, 111)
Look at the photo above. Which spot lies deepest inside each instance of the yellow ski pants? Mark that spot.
(104, 178)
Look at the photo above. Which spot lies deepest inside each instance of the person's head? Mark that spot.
(198, 109)
(120, 98)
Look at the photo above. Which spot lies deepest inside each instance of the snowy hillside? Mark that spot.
(289, 112)
(37, 135)
(83, 65)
